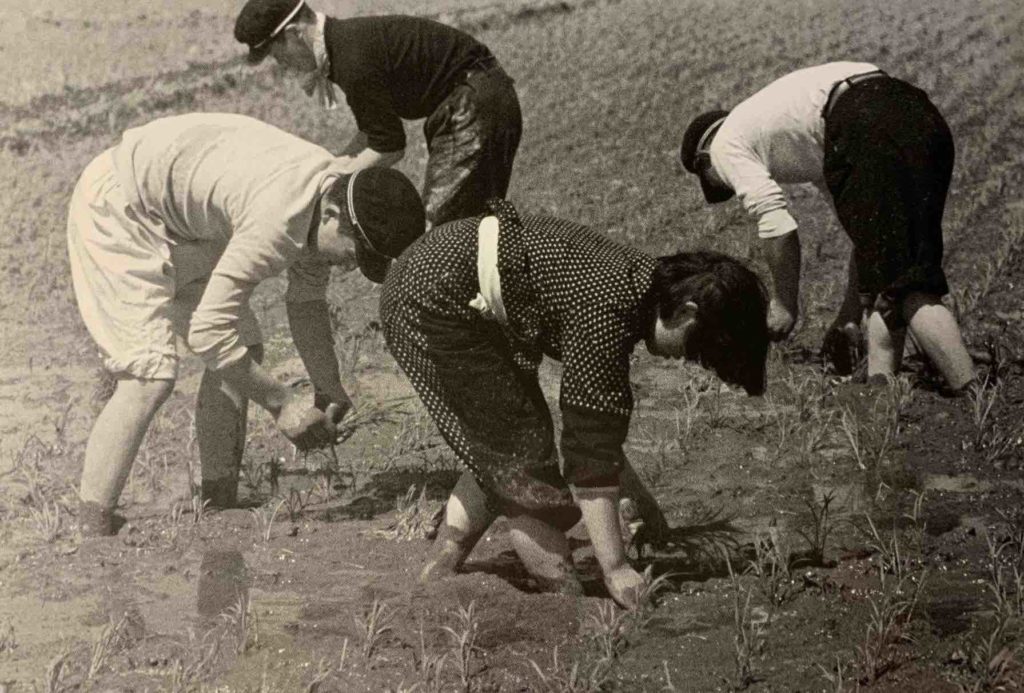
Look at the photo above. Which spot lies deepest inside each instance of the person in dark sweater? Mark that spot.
(395, 68)
(470, 310)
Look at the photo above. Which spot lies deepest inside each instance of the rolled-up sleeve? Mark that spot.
(595, 397)
(248, 259)
(761, 196)
(214, 334)
(592, 446)
(375, 116)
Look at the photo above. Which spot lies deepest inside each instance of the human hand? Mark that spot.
(625, 585)
(306, 426)
(780, 321)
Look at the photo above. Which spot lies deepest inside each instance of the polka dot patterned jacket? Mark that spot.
(569, 293)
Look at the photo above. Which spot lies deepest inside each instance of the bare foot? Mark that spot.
(625, 586)
(447, 558)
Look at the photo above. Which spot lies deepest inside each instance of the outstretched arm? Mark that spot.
(358, 155)
(600, 508)
(310, 326)
(783, 256)
(299, 422)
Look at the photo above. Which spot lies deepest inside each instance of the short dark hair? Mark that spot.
(732, 309)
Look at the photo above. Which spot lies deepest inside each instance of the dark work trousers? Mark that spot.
(491, 412)
(472, 139)
(888, 164)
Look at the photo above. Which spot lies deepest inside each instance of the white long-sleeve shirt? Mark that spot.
(243, 183)
(775, 137)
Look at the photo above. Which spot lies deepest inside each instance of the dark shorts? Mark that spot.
(490, 412)
(472, 139)
(888, 163)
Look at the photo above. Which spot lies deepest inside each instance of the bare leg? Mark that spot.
(221, 420)
(935, 330)
(600, 514)
(885, 347)
(545, 553)
(466, 520)
(115, 439)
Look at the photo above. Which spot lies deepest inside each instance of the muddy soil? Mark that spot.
(829, 536)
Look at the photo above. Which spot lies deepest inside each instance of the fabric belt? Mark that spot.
(843, 85)
(488, 301)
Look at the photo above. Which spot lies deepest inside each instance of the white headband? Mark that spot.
(350, 199)
(282, 25)
(708, 134)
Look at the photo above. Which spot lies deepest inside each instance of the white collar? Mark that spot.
(323, 61)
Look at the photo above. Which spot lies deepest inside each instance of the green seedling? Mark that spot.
(772, 568)
(112, 639)
(429, 665)
(992, 660)
(295, 502)
(46, 520)
(462, 643)
(263, 519)
(197, 661)
(574, 677)
(748, 633)
(890, 619)
(608, 630)
(835, 676)
(821, 527)
(374, 627)
(241, 620)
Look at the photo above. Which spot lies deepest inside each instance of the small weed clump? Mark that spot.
(413, 517)
(902, 577)
(112, 639)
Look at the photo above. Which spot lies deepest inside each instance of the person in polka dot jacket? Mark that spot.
(470, 310)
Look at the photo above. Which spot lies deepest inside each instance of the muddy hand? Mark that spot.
(625, 585)
(780, 321)
(306, 426)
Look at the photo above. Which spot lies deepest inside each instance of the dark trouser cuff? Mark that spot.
(220, 493)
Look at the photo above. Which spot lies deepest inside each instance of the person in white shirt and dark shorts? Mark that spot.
(169, 233)
(884, 154)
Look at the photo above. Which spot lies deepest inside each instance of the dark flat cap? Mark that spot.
(262, 20)
(388, 215)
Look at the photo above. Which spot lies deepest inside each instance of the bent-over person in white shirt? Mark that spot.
(169, 233)
(884, 154)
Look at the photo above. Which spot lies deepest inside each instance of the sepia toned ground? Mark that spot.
(830, 536)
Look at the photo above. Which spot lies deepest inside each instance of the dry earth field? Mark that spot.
(835, 537)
